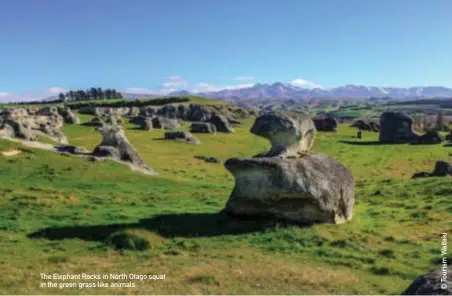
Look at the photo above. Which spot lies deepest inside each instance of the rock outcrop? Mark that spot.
(430, 284)
(221, 123)
(430, 137)
(203, 127)
(165, 123)
(325, 124)
(442, 169)
(115, 145)
(46, 122)
(68, 116)
(289, 182)
(396, 127)
(290, 134)
(182, 136)
(371, 125)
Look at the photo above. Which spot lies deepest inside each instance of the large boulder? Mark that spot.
(430, 137)
(198, 112)
(15, 128)
(396, 127)
(115, 145)
(182, 136)
(169, 111)
(165, 123)
(311, 189)
(325, 123)
(221, 123)
(432, 283)
(68, 116)
(289, 182)
(290, 134)
(203, 127)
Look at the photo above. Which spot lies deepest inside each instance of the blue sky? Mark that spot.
(149, 45)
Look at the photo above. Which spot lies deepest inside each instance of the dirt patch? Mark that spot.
(11, 152)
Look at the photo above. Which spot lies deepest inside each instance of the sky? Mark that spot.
(146, 46)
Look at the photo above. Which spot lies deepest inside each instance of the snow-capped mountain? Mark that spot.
(280, 90)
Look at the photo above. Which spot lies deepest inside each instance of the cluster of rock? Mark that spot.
(29, 123)
(396, 127)
(367, 124)
(289, 182)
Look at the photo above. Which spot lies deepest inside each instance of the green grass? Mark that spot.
(69, 215)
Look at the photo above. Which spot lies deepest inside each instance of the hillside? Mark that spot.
(63, 213)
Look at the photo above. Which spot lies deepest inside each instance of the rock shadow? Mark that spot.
(169, 226)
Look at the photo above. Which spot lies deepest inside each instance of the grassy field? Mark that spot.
(69, 215)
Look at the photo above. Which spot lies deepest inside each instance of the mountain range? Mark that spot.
(280, 90)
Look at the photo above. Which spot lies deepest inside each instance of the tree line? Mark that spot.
(93, 93)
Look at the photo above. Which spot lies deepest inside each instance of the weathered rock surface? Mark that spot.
(430, 137)
(289, 182)
(15, 129)
(165, 123)
(203, 127)
(442, 169)
(290, 134)
(396, 127)
(325, 124)
(198, 113)
(68, 116)
(372, 125)
(430, 284)
(313, 188)
(182, 136)
(221, 123)
(115, 145)
(18, 122)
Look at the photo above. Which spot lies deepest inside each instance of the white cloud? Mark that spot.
(204, 87)
(139, 90)
(299, 82)
(56, 90)
(244, 78)
(3, 94)
(175, 82)
(246, 85)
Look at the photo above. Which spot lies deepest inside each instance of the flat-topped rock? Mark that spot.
(310, 189)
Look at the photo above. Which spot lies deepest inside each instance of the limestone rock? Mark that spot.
(430, 137)
(15, 128)
(221, 123)
(325, 124)
(372, 125)
(68, 116)
(310, 189)
(182, 136)
(396, 127)
(115, 144)
(165, 123)
(203, 127)
(290, 134)
(430, 284)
